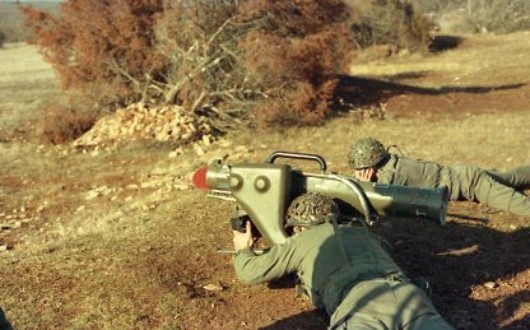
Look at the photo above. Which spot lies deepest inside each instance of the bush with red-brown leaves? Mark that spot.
(65, 123)
(217, 58)
(93, 44)
(274, 62)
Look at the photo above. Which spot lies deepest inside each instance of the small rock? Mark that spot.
(181, 187)
(241, 148)
(213, 287)
(225, 143)
(198, 150)
(92, 194)
(206, 140)
(490, 285)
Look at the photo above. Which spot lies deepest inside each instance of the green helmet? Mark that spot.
(366, 153)
(311, 209)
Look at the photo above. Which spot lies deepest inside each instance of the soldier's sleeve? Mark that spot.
(278, 261)
(386, 174)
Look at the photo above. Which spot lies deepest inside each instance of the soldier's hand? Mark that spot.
(243, 240)
(364, 174)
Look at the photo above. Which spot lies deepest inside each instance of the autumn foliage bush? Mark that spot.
(262, 61)
(217, 58)
(63, 123)
(94, 44)
(392, 22)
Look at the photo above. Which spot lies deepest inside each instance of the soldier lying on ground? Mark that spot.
(371, 161)
(343, 269)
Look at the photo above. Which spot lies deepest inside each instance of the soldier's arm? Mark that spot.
(278, 261)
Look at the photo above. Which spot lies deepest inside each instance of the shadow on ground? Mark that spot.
(469, 267)
(315, 319)
(468, 264)
(363, 91)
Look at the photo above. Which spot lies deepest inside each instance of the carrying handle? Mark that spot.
(298, 155)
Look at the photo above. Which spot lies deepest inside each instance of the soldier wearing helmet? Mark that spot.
(371, 161)
(340, 268)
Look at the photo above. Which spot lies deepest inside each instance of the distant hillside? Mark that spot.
(11, 18)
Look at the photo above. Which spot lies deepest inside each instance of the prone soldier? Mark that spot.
(343, 269)
(371, 161)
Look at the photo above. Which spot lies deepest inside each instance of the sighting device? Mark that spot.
(264, 191)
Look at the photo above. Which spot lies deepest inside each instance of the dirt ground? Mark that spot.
(117, 240)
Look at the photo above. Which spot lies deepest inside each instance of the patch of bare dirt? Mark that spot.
(118, 239)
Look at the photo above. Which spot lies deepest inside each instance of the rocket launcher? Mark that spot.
(265, 190)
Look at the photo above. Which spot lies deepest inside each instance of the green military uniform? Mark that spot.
(464, 182)
(349, 274)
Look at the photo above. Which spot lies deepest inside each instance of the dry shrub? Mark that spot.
(93, 44)
(199, 40)
(294, 58)
(273, 61)
(500, 16)
(477, 16)
(255, 55)
(298, 78)
(212, 57)
(303, 104)
(64, 123)
(392, 22)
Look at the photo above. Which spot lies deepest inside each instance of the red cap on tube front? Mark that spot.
(199, 178)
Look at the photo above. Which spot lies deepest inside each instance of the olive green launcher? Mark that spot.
(265, 190)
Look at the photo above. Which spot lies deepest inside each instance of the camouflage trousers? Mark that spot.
(387, 304)
(492, 188)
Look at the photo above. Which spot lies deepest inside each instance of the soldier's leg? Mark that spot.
(389, 304)
(518, 178)
(418, 311)
(488, 191)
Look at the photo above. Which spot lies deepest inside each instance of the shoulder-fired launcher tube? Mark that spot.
(262, 190)
(265, 190)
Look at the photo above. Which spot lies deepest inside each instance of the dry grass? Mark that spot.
(26, 84)
(138, 257)
(476, 62)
